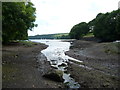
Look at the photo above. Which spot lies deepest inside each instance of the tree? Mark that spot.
(99, 26)
(106, 26)
(17, 19)
(79, 30)
(118, 25)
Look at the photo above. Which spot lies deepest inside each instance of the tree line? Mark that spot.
(17, 19)
(51, 36)
(106, 26)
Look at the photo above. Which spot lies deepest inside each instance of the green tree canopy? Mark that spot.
(17, 19)
(79, 30)
(107, 26)
(118, 25)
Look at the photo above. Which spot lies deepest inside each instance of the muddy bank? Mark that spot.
(100, 67)
(23, 66)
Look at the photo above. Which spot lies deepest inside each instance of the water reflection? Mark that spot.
(55, 54)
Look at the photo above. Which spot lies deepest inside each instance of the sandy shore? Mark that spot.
(23, 67)
(100, 67)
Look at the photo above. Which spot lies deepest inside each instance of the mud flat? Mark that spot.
(100, 66)
(23, 66)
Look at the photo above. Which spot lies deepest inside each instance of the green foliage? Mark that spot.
(62, 36)
(18, 18)
(118, 25)
(51, 36)
(107, 26)
(79, 30)
(89, 35)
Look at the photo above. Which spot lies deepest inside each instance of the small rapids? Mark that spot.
(55, 54)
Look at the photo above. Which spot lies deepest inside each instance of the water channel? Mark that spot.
(55, 53)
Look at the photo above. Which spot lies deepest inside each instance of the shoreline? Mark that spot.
(22, 67)
(102, 71)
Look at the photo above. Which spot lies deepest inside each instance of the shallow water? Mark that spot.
(55, 54)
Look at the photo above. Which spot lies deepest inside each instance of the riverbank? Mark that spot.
(100, 66)
(23, 66)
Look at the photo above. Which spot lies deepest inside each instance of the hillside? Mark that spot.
(51, 36)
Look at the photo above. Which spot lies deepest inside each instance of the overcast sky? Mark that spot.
(59, 16)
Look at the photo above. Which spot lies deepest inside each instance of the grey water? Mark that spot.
(55, 53)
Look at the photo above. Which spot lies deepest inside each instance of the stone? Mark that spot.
(62, 65)
(54, 67)
(55, 75)
(54, 62)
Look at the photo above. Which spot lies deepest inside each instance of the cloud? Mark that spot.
(59, 16)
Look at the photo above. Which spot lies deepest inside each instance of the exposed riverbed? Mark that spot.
(24, 66)
(55, 54)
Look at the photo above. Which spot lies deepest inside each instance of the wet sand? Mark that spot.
(100, 69)
(23, 67)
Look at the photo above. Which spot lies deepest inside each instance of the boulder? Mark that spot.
(55, 75)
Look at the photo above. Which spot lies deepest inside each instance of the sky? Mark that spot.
(59, 16)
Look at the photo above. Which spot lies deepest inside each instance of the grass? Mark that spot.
(28, 43)
(60, 35)
(89, 35)
(112, 48)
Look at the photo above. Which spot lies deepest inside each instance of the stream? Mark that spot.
(55, 53)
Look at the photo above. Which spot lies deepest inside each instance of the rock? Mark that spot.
(59, 86)
(54, 67)
(62, 65)
(54, 62)
(16, 56)
(37, 61)
(55, 75)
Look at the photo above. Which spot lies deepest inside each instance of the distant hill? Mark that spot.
(51, 36)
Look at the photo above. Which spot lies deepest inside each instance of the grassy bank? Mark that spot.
(112, 48)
